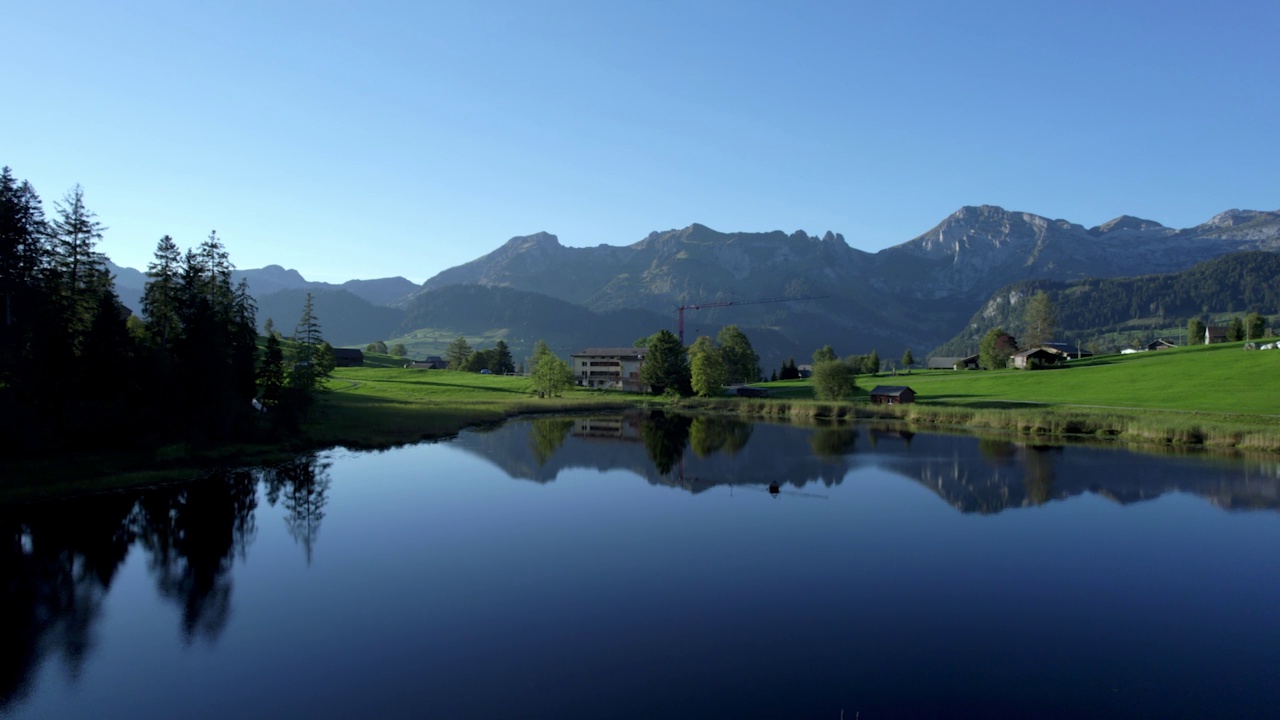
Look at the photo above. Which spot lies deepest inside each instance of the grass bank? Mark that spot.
(378, 407)
(1213, 396)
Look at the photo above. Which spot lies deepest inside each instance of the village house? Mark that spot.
(614, 368)
(1160, 344)
(1215, 334)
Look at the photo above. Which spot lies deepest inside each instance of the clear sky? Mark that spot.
(373, 139)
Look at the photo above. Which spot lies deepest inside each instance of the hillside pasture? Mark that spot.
(377, 406)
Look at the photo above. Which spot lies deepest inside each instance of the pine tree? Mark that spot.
(500, 362)
(907, 359)
(457, 353)
(271, 373)
(162, 296)
(1041, 320)
(75, 233)
(305, 375)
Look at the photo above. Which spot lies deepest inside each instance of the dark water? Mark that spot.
(606, 567)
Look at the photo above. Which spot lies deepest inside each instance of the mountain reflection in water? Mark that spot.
(193, 540)
(972, 474)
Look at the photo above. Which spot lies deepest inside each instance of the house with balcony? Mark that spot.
(609, 368)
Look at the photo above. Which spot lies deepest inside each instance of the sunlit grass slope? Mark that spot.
(372, 406)
(1206, 378)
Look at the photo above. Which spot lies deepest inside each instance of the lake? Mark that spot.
(659, 566)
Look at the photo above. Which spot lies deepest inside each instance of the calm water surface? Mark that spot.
(641, 568)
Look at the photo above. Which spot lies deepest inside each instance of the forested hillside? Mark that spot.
(1233, 284)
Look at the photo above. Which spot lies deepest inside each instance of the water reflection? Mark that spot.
(303, 483)
(57, 566)
(974, 475)
(60, 558)
(192, 534)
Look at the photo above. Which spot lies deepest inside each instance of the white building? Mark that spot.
(615, 368)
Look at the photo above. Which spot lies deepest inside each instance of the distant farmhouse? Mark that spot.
(347, 357)
(1215, 334)
(432, 362)
(616, 368)
(892, 395)
(1160, 344)
(953, 363)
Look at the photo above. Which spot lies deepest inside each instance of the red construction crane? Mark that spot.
(699, 306)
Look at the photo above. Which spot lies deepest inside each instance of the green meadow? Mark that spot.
(1218, 395)
(379, 406)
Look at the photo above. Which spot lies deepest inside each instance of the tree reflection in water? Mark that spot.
(546, 435)
(302, 486)
(833, 441)
(193, 533)
(709, 435)
(57, 565)
(665, 438)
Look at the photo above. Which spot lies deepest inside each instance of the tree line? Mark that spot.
(79, 370)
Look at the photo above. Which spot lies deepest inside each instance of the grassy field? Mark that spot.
(1217, 395)
(377, 406)
(1205, 378)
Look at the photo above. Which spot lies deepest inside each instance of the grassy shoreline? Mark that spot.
(1180, 398)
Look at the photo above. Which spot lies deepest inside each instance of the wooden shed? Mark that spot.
(1036, 358)
(892, 395)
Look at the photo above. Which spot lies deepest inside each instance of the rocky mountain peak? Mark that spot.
(537, 241)
(1125, 223)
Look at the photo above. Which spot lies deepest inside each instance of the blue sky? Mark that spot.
(363, 140)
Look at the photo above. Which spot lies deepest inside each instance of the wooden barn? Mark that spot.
(1036, 358)
(348, 357)
(892, 395)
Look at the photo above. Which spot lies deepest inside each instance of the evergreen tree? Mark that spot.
(500, 359)
(162, 296)
(741, 363)
(706, 367)
(666, 366)
(271, 374)
(1040, 318)
(22, 232)
(305, 375)
(457, 353)
(873, 363)
(789, 370)
(76, 263)
(269, 328)
(907, 359)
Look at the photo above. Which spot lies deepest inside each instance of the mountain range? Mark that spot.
(914, 295)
